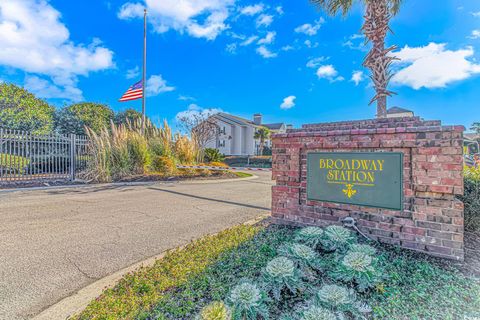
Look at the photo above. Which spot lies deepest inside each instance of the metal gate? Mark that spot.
(27, 157)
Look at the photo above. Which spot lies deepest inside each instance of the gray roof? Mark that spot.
(394, 110)
(233, 119)
(472, 136)
(273, 126)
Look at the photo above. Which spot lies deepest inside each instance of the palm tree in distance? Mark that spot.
(262, 135)
(375, 28)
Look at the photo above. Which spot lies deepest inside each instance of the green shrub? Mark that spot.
(358, 268)
(213, 155)
(337, 238)
(281, 273)
(216, 310)
(471, 199)
(21, 110)
(13, 162)
(311, 236)
(248, 302)
(74, 118)
(164, 165)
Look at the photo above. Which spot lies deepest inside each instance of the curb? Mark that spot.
(77, 302)
(124, 184)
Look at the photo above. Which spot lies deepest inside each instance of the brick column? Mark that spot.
(432, 220)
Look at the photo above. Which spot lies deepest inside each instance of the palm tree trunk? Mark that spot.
(378, 60)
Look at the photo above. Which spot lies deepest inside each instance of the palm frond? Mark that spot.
(333, 7)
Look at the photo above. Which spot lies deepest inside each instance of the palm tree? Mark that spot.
(377, 17)
(262, 134)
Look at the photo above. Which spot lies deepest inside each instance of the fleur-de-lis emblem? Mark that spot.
(349, 192)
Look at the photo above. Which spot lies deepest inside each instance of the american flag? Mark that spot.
(133, 93)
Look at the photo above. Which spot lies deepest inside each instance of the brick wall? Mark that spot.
(432, 219)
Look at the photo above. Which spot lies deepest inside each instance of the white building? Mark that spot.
(236, 135)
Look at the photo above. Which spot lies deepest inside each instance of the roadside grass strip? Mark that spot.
(411, 286)
(139, 291)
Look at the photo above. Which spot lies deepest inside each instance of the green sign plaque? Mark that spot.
(373, 179)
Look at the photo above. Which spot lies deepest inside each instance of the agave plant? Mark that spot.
(360, 268)
(304, 255)
(281, 273)
(337, 238)
(216, 310)
(310, 236)
(365, 248)
(248, 302)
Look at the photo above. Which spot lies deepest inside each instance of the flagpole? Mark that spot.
(144, 83)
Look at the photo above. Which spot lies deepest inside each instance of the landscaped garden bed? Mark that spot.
(255, 272)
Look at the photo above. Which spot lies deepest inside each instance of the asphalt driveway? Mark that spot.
(54, 242)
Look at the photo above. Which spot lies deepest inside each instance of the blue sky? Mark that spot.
(284, 59)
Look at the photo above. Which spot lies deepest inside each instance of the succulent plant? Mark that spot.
(310, 236)
(336, 297)
(360, 268)
(216, 310)
(337, 238)
(248, 302)
(317, 313)
(365, 248)
(281, 273)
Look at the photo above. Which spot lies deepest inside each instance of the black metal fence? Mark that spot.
(27, 157)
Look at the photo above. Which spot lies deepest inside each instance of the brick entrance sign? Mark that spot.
(431, 220)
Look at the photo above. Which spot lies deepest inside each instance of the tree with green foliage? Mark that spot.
(378, 14)
(475, 127)
(74, 118)
(262, 135)
(21, 110)
(129, 115)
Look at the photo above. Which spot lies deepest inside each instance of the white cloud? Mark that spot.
(310, 29)
(475, 34)
(357, 77)
(186, 98)
(231, 48)
(316, 62)
(288, 103)
(433, 66)
(355, 42)
(264, 20)
(476, 14)
(47, 90)
(288, 48)
(131, 10)
(133, 73)
(309, 44)
(279, 10)
(329, 72)
(269, 38)
(33, 39)
(249, 41)
(266, 53)
(252, 10)
(156, 85)
(196, 112)
(199, 18)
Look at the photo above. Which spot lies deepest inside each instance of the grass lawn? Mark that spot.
(242, 174)
(411, 286)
